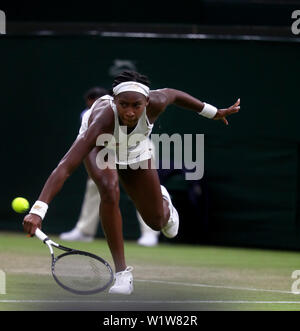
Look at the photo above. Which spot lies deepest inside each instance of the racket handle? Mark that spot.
(41, 235)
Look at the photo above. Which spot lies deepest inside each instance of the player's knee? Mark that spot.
(110, 192)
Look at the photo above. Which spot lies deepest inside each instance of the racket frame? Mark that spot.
(70, 251)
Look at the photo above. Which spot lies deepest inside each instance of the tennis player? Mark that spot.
(86, 226)
(134, 107)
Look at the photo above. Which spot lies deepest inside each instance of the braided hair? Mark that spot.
(129, 75)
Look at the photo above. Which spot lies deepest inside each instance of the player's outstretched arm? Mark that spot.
(72, 159)
(185, 100)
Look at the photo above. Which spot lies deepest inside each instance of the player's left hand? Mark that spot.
(222, 113)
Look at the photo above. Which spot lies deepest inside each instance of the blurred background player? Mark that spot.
(87, 224)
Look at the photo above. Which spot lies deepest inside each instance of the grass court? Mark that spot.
(168, 277)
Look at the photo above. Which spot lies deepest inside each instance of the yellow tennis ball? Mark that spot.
(20, 205)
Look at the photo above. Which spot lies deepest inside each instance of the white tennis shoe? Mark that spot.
(170, 230)
(123, 282)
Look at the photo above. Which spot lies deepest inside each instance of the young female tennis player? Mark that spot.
(130, 111)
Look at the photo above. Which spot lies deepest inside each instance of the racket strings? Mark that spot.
(81, 272)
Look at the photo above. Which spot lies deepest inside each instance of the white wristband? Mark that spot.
(39, 208)
(208, 111)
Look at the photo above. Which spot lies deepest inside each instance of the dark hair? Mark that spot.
(95, 93)
(129, 75)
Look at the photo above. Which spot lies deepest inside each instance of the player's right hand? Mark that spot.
(31, 222)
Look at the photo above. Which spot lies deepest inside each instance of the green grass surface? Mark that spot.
(166, 277)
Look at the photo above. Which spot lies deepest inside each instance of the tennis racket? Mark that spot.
(77, 271)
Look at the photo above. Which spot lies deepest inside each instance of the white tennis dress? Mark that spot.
(128, 148)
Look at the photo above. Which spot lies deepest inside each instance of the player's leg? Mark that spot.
(148, 237)
(110, 215)
(150, 198)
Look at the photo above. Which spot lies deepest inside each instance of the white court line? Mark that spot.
(213, 286)
(174, 301)
(153, 301)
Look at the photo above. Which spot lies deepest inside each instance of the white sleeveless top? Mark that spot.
(128, 148)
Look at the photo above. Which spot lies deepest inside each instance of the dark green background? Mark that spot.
(251, 166)
(200, 12)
